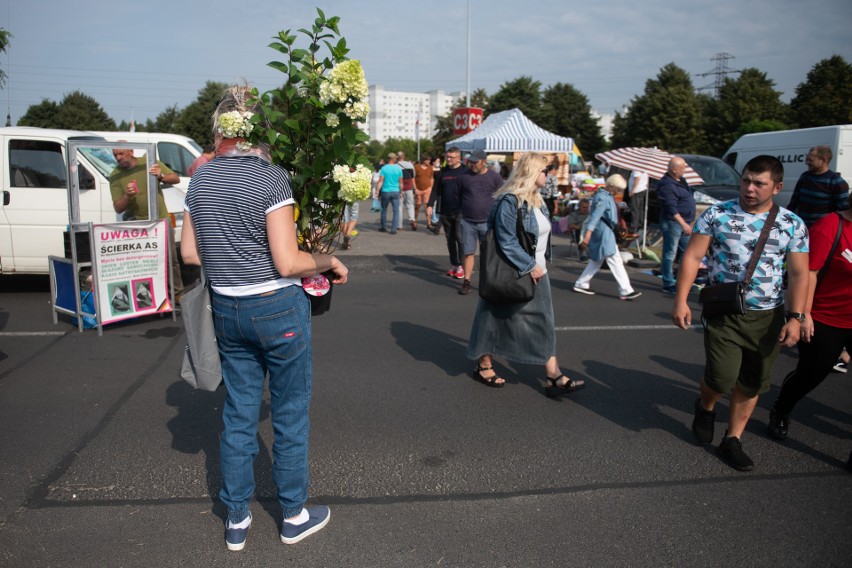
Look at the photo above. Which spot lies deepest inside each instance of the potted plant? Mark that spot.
(310, 124)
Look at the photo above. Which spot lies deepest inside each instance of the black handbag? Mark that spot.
(499, 281)
(729, 298)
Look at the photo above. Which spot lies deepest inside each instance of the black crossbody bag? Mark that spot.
(499, 281)
(729, 298)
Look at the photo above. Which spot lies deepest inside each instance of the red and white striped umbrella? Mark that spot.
(652, 161)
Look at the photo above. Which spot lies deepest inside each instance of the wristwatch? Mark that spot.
(796, 316)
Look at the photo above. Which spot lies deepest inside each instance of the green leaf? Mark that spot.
(278, 65)
(332, 24)
(280, 47)
(298, 55)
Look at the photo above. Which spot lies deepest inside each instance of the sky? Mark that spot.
(139, 58)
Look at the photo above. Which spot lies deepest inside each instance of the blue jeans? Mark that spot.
(673, 240)
(392, 198)
(259, 334)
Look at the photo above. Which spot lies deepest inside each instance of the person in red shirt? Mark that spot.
(827, 325)
(208, 154)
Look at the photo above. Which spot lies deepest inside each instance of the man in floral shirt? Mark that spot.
(740, 350)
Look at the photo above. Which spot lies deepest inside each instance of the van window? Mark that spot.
(102, 159)
(731, 159)
(85, 179)
(36, 163)
(175, 157)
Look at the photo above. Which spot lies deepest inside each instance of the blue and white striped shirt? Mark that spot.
(228, 200)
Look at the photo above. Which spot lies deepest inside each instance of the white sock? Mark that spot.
(300, 519)
(244, 524)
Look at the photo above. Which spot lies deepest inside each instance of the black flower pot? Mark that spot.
(321, 304)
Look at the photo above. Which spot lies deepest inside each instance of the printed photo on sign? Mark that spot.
(119, 299)
(143, 295)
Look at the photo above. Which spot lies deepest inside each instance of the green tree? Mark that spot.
(42, 115)
(4, 43)
(667, 115)
(749, 97)
(444, 124)
(825, 98)
(77, 111)
(754, 126)
(522, 93)
(566, 112)
(167, 121)
(194, 119)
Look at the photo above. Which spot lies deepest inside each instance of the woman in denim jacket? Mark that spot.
(522, 332)
(599, 239)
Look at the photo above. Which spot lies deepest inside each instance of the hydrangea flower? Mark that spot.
(356, 110)
(235, 124)
(354, 183)
(332, 120)
(345, 81)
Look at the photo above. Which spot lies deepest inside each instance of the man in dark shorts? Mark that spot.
(740, 350)
(476, 196)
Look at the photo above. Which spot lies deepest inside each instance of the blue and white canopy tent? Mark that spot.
(510, 131)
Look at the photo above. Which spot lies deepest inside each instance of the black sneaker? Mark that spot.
(465, 288)
(703, 424)
(778, 425)
(731, 450)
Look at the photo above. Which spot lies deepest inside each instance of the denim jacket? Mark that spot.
(503, 219)
(602, 244)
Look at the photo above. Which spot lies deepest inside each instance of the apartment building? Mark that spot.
(394, 114)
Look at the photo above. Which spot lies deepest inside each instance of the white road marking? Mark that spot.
(621, 327)
(31, 333)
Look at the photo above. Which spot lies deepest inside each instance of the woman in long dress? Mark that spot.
(523, 332)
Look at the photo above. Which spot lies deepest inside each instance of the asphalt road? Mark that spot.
(108, 459)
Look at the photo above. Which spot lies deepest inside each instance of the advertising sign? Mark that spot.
(132, 268)
(466, 119)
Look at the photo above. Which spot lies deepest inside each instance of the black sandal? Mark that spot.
(489, 381)
(553, 390)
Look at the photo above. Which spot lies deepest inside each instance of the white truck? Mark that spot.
(35, 202)
(791, 147)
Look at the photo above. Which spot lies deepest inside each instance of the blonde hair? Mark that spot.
(521, 182)
(617, 182)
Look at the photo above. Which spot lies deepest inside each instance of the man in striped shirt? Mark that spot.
(819, 190)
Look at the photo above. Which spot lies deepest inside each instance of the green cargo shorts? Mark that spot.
(741, 350)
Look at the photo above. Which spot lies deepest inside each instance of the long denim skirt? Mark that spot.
(523, 333)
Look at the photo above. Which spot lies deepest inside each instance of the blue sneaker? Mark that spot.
(236, 533)
(318, 517)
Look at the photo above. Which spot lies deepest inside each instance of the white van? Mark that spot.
(791, 147)
(34, 185)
